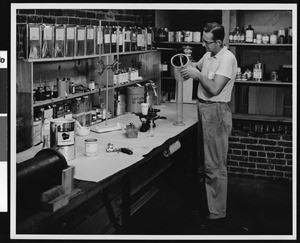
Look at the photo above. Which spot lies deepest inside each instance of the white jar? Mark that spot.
(273, 39)
(90, 147)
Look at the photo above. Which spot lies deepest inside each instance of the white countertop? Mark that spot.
(106, 164)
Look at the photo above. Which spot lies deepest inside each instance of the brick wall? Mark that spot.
(261, 150)
(122, 17)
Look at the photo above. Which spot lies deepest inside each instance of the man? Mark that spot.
(216, 72)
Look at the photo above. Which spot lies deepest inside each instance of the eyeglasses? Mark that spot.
(207, 43)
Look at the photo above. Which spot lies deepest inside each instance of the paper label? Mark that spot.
(65, 138)
(59, 34)
(80, 36)
(70, 33)
(48, 33)
(34, 33)
(90, 34)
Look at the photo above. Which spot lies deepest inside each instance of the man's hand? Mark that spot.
(190, 72)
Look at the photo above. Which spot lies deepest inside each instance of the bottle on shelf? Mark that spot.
(133, 38)
(290, 36)
(139, 42)
(149, 38)
(281, 36)
(120, 33)
(242, 35)
(113, 39)
(106, 39)
(231, 36)
(127, 39)
(249, 34)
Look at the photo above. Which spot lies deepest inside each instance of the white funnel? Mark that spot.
(179, 61)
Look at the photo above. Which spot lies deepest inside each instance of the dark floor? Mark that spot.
(255, 207)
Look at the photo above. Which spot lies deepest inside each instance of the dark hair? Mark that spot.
(216, 29)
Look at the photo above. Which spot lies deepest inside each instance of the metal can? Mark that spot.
(171, 35)
(178, 36)
(197, 36)
(273, 39)
(90, 147)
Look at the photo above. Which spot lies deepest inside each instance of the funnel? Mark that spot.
(179, 61)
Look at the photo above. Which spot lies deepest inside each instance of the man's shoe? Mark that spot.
(211, 223)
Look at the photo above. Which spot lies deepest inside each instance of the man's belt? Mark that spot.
(209, 101)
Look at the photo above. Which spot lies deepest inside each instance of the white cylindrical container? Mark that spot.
(90, 147)
(273, 39)
(135, 96)
(179, 61)
(62, 137)
(197, 36)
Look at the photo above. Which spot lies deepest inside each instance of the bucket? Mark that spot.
(62, 137)
(135, 96)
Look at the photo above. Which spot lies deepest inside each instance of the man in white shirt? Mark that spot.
(216, 72)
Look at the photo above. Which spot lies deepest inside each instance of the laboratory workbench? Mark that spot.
(113, 186)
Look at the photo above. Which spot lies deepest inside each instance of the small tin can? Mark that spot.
(171, 36)
(197, 36)
(273, 39)
(90, 147)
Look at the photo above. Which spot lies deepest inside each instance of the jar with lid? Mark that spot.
(273, 39)
(249, 34)
(265, 39)
(258, 38)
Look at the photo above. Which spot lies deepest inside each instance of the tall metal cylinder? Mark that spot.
(179, 61)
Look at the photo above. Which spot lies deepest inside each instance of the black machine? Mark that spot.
(149, 118)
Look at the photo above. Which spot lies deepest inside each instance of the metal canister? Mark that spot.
(171, 36)
(178, 36)
(197, 36)
(62, 137)
(90, 147)
(273, 39)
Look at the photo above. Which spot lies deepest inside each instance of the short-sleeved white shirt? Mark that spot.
(223, 63)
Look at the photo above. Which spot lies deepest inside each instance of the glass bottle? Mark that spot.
(290, 36)
(113, 39)
(242, 35)
(231, 37)
(106, 39)
(149, 38)
(120, 32)
(133, 38)
(139, 42)
(127, 39)
(249, 34)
